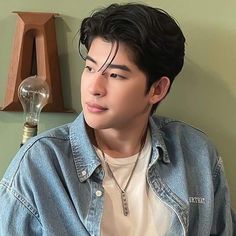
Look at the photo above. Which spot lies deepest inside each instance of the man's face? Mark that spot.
(114, 97)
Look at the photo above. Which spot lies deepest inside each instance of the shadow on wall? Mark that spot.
(203, 95)
(70, 61)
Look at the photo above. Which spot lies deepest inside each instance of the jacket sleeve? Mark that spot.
(224, 219)
(17, 216)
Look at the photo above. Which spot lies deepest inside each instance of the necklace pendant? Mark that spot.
(124, 201)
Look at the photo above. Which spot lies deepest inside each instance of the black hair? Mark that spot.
(154, 37)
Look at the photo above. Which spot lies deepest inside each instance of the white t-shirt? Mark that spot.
(148, 215)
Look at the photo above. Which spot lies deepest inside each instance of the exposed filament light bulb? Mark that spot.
(33, 93)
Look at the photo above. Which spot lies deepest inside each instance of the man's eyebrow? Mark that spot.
(121, 67)
(90, 59)
(111, 66)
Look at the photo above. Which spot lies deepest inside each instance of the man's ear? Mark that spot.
(159, 89)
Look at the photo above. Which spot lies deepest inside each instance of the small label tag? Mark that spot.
(197, 200)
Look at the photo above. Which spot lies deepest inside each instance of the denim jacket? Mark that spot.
(54, 184)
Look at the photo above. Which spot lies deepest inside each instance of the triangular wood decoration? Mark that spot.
(35, 51)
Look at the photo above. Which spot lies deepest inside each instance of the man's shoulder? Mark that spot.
(60, 133)
(164, 123)
(56, 134)
(38, 149)
(176, 129)
(52, 138)
(182, 140)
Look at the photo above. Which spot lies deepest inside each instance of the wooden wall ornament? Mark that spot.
(35, 52)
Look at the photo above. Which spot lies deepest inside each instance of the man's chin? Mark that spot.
(95, 123)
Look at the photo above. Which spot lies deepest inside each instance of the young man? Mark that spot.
(118, 170)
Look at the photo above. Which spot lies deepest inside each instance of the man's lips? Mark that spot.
(93, 107)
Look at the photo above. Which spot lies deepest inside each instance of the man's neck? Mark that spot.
(122, 142)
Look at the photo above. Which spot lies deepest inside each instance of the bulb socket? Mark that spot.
(29, 131)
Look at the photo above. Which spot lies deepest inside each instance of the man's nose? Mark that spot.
(97, 86)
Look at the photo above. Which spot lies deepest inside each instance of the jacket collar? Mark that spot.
(158, 143)
(85, 157)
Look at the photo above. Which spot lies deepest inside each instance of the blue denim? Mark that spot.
(50, 187)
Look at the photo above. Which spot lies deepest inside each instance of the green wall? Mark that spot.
(204, 94)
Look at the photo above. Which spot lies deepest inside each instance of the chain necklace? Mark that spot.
(124, 199)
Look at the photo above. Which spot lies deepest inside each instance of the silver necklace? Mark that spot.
(124, 198)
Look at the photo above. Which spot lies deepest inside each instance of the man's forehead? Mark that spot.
(112, 52)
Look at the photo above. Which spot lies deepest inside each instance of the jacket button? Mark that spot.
(98, 193)
(83, 172)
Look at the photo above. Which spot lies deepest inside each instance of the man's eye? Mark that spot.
(113, 75)
(116, 76)
(88, 68)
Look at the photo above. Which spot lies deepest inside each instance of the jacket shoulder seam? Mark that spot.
(29, 145)
(21, 199)
(218, 168)
(170, 121)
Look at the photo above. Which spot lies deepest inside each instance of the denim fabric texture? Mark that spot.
(53, 185)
